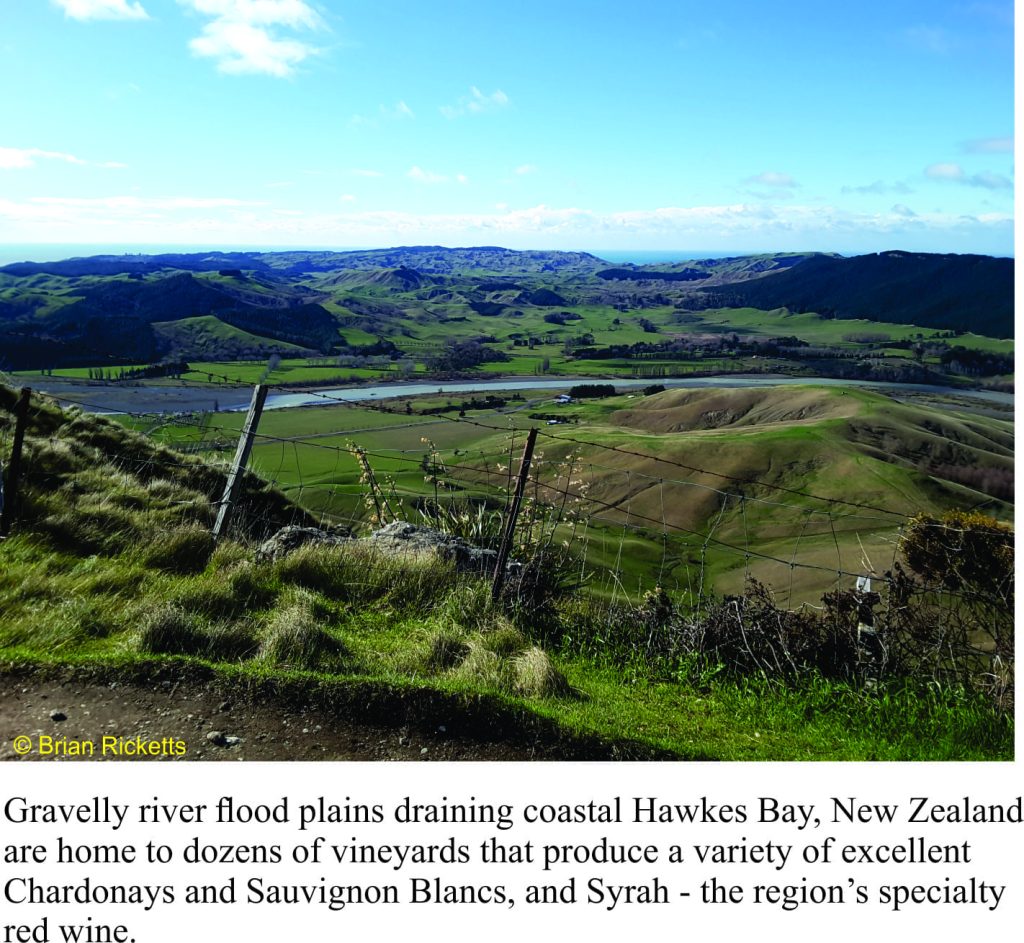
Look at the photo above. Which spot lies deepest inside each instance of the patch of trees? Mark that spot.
(459, 355)
(381, 347)
(174, 368)
(592, 391)
(995, 482)
(487, 402)
(562, 317)
(487, 309)
(976, 363)
(866, 337)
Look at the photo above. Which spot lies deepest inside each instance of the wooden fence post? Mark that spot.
(234, 482)
(10, 486)
(508, 531)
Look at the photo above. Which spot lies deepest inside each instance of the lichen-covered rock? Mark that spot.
(400, 537)
(291, 538)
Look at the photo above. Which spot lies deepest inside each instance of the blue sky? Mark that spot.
(703, 127)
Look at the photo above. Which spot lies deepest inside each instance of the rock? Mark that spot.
(292, 537)
(220, 739)
(58, 716)
(400, 537)
(224, 707)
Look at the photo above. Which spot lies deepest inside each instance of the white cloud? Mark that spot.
(25, 158)
(772, 178)
(476, 103)
(945, 172)
(243, 37)
(102, 9)
(524, 169)
(954, 173)
(747, 226)
(462, 178)
(425, 176)
(901, 209)
(386, 113)
(347, 198)
(1002, 145)
(879, 187)
(400, 110)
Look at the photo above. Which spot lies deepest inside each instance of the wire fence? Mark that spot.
(682, 518)
(626, 524)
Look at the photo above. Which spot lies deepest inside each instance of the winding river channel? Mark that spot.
(122, 398)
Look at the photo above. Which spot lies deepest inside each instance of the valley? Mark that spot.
(708, 436)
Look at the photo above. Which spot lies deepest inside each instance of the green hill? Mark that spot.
(110, 573)
(208, 338)
(958, 292)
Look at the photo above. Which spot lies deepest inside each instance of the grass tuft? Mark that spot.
(247, 587)
(536, 677)
(184, 550)
(170, 630)
(446, 651)
(294, 638)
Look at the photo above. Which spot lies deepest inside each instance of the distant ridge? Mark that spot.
(957, 292)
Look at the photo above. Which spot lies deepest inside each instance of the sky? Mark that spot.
(653, 125)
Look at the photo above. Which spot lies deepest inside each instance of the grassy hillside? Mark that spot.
(662, 472)
(100, 312)
(111, 565)
(205, 338)
(962, 292)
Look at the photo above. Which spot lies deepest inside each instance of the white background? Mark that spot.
(996, 850)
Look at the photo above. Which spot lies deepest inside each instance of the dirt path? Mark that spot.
(75, 712)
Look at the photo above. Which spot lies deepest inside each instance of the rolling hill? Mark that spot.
(100, 310)
(956, 292)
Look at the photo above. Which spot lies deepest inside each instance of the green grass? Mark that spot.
(106, 569)
(870, 457)
(379, 631)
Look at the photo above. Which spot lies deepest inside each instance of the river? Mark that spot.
(172, 398)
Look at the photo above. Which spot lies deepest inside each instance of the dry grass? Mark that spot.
(536, 677)
(294, 638)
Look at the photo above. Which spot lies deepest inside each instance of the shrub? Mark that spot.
(962, 550)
